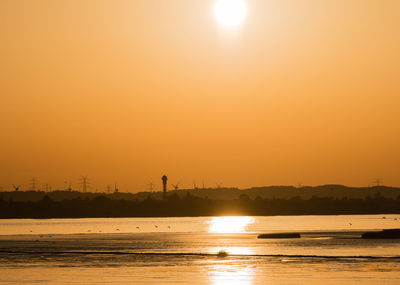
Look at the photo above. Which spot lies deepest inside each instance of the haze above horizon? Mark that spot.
(126, 91)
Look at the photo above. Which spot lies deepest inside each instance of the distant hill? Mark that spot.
(288, 192)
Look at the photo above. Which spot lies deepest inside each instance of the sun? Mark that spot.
(230, 13)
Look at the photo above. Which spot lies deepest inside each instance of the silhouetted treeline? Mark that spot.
(190, 205)
(267, 192)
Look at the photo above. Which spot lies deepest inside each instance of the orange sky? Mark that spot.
(124, 91)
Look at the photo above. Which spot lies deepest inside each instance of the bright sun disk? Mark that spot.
(230, 224)
(230, 13)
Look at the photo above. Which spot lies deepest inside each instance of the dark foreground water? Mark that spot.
(183, 251)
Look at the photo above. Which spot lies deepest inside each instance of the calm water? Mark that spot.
(183, 251)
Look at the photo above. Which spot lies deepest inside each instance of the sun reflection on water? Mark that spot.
(227, 274)
(229, 224)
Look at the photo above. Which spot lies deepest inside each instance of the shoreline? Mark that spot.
(196, 216)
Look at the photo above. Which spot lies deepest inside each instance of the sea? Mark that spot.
(199, 250)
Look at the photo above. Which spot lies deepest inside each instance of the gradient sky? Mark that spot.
(303, 92)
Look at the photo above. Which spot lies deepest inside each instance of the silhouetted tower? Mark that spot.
(33, 184)
(164, 182)
(68, 185)
(84, 183)
(47, 188)
(16, 188)
(378, 182)
(116, 188)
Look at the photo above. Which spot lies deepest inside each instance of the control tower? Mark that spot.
(164, 182)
